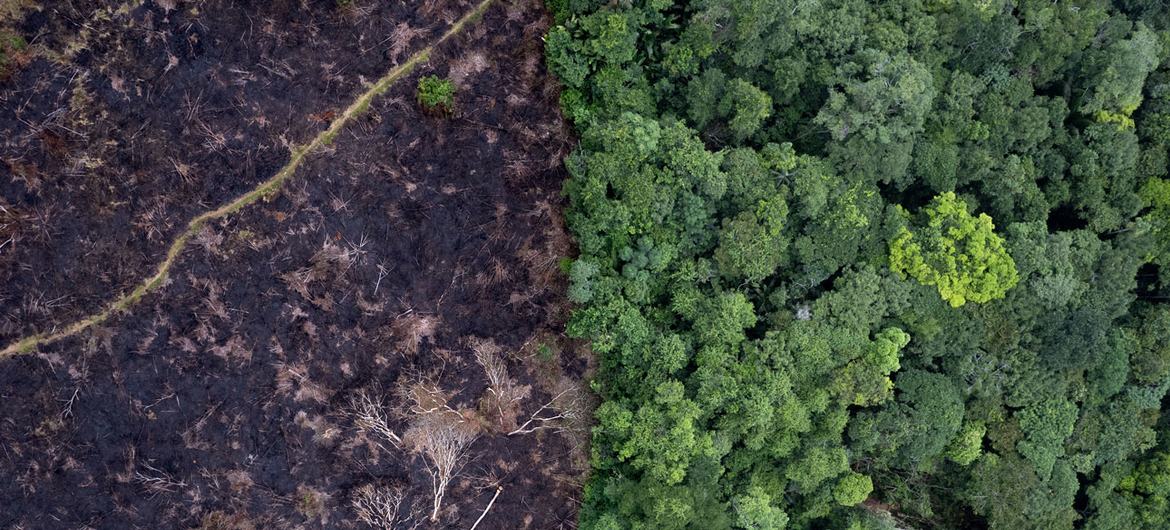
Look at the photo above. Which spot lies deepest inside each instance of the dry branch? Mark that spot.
(370, 417)
(158, 481)
(425, 398)
(503, 395)
(378, 506)
(557, 413)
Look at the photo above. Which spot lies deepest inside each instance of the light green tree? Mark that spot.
(968, 445)
(754, 511)
(959, 254)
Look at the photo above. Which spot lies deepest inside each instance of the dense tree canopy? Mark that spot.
(885, 264)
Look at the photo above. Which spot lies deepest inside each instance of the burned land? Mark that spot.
(381, 332)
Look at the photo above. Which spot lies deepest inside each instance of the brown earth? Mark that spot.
(414, 252)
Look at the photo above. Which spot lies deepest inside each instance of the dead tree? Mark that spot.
(503, 395)
(494, 367)
(558, 413)
(491, 503)
(442, 438)
(425, 398)
(378, 506)
(370, 417)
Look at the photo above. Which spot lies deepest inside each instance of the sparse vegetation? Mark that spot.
(222, 521)
(310, 502)
(546, 352)
(839, 264)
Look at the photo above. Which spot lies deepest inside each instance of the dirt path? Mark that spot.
(264, 190)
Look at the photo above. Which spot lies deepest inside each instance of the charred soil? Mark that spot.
(295, 363)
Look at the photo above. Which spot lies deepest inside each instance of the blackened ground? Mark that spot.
(222, 400)
(134, 118)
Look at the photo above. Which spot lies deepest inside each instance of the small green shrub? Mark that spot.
(546, 352)
(10, 44)
(436, 94)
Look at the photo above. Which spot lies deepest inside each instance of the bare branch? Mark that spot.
(425, 398)
(378, 506)
(503, 394)
(493, 366)
(370, 417)
(561, 410)
(159, 481)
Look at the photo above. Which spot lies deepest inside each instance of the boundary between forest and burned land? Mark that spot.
(264, 190)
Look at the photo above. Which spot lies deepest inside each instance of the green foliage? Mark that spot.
(1151, 360)
(582, 275)
(873, 122)
(852, 489)
(918, 427)
(752, 245)
(747, 107)
(10, 44)
(436, 94)
(755, 511)
(659, 438)
(1148, 489)
(780, 344)
(959, 254)
(816, 466)
(1155, 194)
(968, 445)
(564, 57)
(1117, 87)
(1046, 425)
(866, 379)
(1011, 495)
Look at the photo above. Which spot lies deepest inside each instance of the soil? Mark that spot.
(224, 398)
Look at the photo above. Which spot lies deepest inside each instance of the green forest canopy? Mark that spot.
(872, 264)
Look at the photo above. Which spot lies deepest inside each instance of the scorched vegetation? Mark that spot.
(245, 283)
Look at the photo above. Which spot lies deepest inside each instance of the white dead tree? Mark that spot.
(378, 506)
(503, 394)
(442, 439)
(495, 368)
(425, 398)
(558, 413)
(499, 489)
(370, 417)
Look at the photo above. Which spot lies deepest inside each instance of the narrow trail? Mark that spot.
(265, 189)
